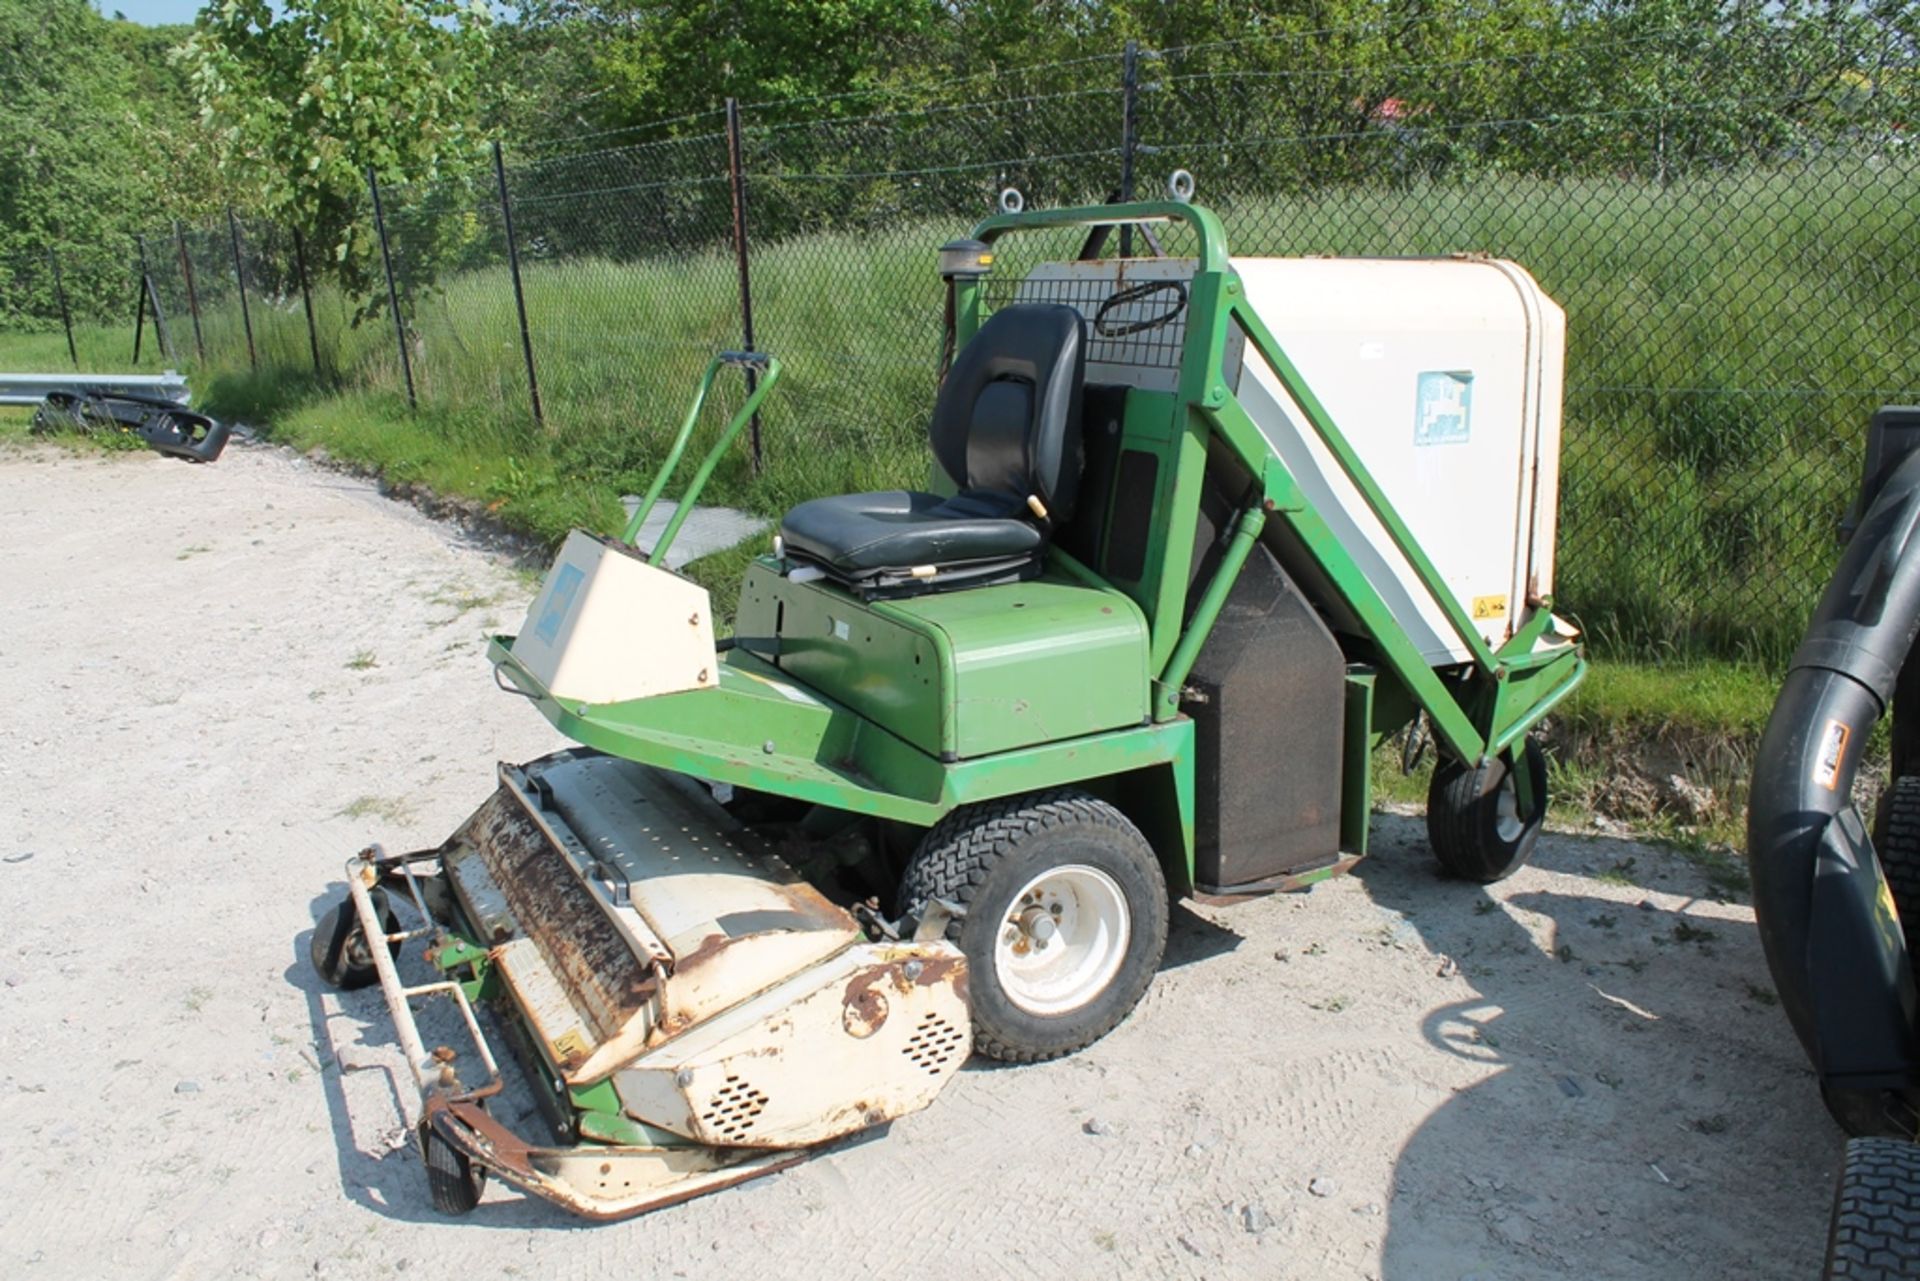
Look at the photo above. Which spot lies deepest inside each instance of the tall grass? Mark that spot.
(1728, 337)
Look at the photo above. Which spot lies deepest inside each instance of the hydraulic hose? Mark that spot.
(1826, 918)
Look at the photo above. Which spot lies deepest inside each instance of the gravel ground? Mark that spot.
(220, 681)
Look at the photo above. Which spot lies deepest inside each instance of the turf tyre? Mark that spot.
(979, 858)
(1896, 841)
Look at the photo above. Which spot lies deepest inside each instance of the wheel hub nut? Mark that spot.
(1037, 924)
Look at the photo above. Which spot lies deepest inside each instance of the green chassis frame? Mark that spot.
(759, 729)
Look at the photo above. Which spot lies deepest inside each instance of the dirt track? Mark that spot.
(219, 681)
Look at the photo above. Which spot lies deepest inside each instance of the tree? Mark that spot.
(302, 103)
(92, 135)
(671, 58)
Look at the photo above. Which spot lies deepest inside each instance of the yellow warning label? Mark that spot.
(1833, 752)
(1489, 606)
(569, 1047)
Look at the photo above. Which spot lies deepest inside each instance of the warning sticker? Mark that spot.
(1485, 607)
(1443, 408)
(569, 1047)
(1833, 753)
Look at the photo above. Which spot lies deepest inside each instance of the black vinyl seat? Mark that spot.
(1005, 429)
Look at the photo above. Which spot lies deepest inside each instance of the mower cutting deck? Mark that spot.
(1138, 637)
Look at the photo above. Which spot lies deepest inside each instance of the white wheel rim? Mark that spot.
(1062, 939)
(1506, 811)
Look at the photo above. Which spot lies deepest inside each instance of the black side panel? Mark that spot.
(1269, 735)
(1102, 412)
(1133, 509)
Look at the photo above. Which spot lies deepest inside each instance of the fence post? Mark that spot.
(140, 305)
(519, 294)
(193, 299)
(240, 278)
(1129, 133)
(306, 297)
(160, 330)
(393, 293)
(738, 173)
(66, 316)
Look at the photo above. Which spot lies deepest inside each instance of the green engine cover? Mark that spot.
(962, 673)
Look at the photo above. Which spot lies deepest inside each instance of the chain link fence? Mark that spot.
(1730, 227)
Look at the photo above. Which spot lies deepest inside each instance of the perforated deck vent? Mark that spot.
(733, 1109)
(934, 1044)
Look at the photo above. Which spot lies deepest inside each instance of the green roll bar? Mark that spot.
(751, 362)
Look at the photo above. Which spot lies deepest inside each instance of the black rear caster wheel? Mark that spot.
(1476, 823)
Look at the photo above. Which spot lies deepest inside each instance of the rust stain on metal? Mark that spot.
(708, 948)
(484, 1140)
(584, 949)
(864, 1014)
(816, 910)
(906, 972)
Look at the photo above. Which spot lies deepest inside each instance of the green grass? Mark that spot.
(1694, 699)
(102, 347)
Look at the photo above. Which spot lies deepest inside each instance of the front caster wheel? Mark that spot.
(453, 1180)
(1476, 823)
(339, 949)
(1065, 917)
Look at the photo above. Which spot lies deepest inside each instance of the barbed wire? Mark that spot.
(1399, 129)
(661, 123)
(986, 105)
(1451, 64)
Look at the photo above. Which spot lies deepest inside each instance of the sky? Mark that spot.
(152, 13)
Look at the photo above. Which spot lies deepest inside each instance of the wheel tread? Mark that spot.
(1456, 807)
(1874, 1233)
(962, 849)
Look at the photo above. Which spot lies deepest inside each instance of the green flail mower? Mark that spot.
(1200, 533)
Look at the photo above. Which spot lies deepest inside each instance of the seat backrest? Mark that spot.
(1007, 419)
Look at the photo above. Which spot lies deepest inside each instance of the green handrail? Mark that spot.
(751, 361)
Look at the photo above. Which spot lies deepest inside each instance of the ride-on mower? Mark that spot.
(1200, 533)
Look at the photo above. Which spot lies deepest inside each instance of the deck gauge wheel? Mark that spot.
(453, 1180)
(1063, 917)
(339, 950)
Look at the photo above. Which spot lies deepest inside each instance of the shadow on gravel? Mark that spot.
(1192, 938)
(1639, 1078)
(379, 1161)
